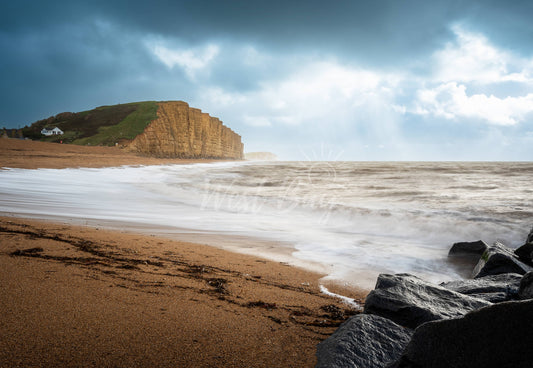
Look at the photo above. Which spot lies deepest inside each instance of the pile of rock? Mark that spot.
(486, 321)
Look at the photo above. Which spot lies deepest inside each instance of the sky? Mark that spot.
(306, 80)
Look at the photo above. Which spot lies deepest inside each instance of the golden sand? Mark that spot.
(74, 296)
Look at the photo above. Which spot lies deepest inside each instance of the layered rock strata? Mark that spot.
(184, 132)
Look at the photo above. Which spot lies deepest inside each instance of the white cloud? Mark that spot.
(190, 60)
(323, 93)
(219, 97)
(321, 102)
(257, 121)
(472, 58)
(451, 101)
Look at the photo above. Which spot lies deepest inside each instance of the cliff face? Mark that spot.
(184, 132)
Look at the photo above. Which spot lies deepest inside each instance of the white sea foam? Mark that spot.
(349, 301)
(347, 218)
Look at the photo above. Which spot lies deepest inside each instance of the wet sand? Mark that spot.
(76, 296)
(79, 296)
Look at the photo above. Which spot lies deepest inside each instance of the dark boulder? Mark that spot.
(499, 259)
(411, 301)
(465, 255)
(494, 288)
(525, 253)
(364, 341)
(530, 236)
(525, 290)
(493, 297)
(495, 336)
(471, 249)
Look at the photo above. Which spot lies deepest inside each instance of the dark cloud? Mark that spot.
(71, 55)
(373, 31)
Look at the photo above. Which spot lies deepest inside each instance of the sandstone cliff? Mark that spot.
(184, 132)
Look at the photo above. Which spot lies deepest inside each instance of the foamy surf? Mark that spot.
(342, 218)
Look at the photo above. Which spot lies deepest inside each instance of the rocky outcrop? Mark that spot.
(502, 283)
(473, 249)
(364, 341)
(184, 132)
(482, 322)
(499, 259)
(525, 289)
(411, 301)
(525, 252)
(495, 336)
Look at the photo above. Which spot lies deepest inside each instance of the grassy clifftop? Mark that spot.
(105, 125)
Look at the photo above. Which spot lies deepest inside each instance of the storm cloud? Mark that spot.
(376, 80)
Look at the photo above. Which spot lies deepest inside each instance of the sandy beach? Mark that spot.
(28, 154)
(76, 296)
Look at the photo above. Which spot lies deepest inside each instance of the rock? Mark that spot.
(495, 336)
(525, 253)
(411, 301)
(364, 341)
(184, 132)
(494, 287)
(499, 259)
(525, 290)
(472, 249)
(493, 297)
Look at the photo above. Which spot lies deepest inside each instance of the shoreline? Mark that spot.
(27, 154)
(74, 294)
(271, 250)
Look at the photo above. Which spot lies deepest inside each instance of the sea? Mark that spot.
(348, 220)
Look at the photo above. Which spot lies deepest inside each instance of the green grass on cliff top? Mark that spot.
(105, 125)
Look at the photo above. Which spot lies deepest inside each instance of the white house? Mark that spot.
(48, 131)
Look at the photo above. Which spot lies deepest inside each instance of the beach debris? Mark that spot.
(277, 320)
(333, 311)
(31, 252)
(218, 284)
(261, 304)
(128, 267)
(197, 269)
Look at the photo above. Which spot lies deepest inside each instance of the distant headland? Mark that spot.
(260, 156)
(169, 129)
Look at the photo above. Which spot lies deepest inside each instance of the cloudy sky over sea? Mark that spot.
(346, 80)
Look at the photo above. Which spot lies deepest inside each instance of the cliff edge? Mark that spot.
(183, 132)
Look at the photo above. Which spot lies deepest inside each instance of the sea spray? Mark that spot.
(348, 217)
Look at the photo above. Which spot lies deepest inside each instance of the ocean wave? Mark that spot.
(346, 216)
